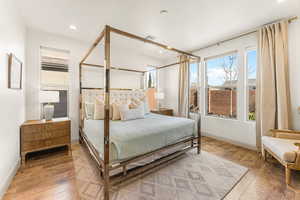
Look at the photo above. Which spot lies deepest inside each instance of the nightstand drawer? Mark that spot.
(56, 133)
(32, 145)
(36, 145)
(57, 141)
(32, 129)
(32, 136)
(42, 135)
(57, 126)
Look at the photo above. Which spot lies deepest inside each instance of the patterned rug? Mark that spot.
(193, 177)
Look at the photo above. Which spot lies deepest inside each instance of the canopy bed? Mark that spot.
(127, 148)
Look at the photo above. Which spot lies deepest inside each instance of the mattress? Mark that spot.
(136, 137)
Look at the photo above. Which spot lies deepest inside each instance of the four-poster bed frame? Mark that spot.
(104, 163)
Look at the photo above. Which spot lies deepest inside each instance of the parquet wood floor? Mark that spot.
(52, 176)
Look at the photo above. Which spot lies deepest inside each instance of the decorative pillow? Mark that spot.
(117, 107)
(99, 110)
(89, 110)
(131, 114)
(134, 103)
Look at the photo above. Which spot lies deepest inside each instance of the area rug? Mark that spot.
(193, 177)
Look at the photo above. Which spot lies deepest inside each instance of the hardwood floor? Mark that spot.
(55, 176)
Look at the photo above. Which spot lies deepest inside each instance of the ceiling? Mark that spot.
(188, 24)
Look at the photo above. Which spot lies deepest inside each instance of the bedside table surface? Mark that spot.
(161, 109)
(43, 121)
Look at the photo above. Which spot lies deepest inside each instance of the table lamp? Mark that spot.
(49, 97)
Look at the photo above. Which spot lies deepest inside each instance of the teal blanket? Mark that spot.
(136, 137)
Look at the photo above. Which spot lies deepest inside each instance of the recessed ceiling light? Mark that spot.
(163, 12)
(280, 1)
(160, 51)
(73, 27)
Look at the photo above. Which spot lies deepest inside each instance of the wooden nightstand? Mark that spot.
(37, 135)
(163, 111)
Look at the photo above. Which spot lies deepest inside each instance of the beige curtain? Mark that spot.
(183, 94)
(273, 95)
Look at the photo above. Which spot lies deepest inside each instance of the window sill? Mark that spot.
(221, 118)
(250, 122)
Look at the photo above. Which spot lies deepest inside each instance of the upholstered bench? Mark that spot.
(284, 145)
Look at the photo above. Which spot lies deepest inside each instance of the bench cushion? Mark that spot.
(283, 148)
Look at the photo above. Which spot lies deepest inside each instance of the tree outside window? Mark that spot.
(251, 83)
(194, 87)
(221, 86)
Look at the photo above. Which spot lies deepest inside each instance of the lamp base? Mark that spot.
(48, 112)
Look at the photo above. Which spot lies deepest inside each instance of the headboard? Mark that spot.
(88, 96)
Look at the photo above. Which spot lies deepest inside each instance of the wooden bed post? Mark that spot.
(199, 134)
(199, 113)
(189, 88)
(80, 103)
(107, 107)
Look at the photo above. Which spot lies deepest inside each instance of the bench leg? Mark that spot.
(287, 175)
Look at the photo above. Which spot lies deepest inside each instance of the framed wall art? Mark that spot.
(14, 72)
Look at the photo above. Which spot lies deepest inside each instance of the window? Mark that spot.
(251, 83)
(221, 86)
(55, 77)
(151, 79)
(194, 85)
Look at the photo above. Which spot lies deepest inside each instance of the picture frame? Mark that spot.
(14, 72)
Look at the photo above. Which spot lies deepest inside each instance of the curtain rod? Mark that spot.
(290, 20)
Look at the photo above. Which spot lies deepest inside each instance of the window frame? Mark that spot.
(42, 88)
(206, 85)
(154, 82)
(198, 63)
(247, 50)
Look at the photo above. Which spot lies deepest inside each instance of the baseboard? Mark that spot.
(4, 185)
(76, 141)
(247, 146)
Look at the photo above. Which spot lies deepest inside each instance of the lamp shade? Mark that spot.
(49, 96)
(159, 95)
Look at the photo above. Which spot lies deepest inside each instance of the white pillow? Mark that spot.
(117, 108)
(134, 103)
(130, 114)
(89, 110)
(99, 110)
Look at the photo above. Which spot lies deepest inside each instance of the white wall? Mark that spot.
(240, 131)
(168, 83)
(12, 102)
(36, 39)
(92, 77)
